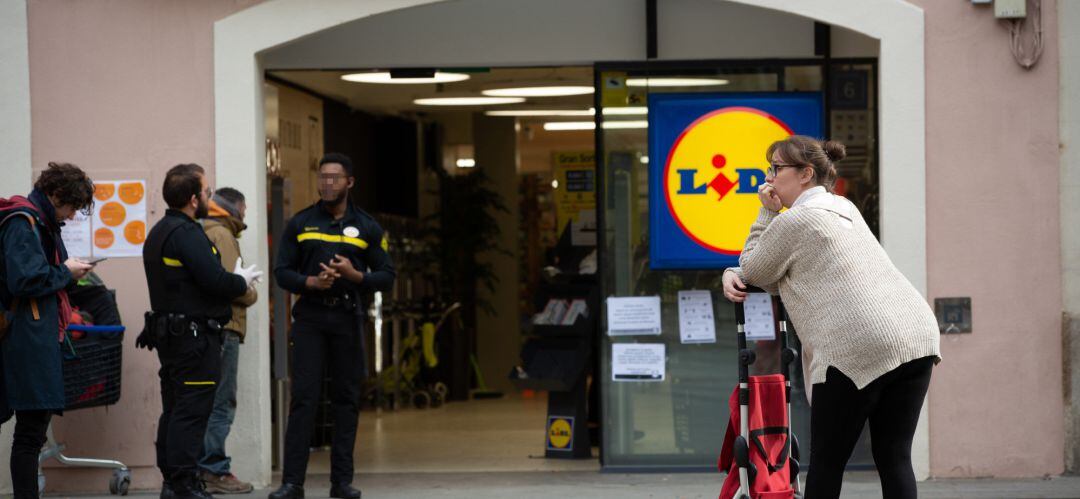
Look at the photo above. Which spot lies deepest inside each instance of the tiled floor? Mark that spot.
(498, 435)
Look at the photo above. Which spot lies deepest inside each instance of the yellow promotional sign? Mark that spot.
(575, 196)
(715, 167)
(613, 90)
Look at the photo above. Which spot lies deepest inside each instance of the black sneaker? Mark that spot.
(288, 491)
(344, 491)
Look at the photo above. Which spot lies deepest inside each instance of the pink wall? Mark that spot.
(992, 234)
(125, 90)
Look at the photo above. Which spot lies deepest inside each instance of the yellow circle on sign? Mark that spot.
(716, 157)
(559, 433)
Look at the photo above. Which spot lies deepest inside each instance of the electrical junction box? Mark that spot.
(1010, 9)
(953, 314)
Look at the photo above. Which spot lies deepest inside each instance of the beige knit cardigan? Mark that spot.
(851, 307)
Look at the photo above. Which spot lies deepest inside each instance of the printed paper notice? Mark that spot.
(696, 321)
(76, 235)
(119, 222)
(760, 324)
(633, 315)
(637, 362)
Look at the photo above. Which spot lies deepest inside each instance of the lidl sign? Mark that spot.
(707, 159)
(560, 433)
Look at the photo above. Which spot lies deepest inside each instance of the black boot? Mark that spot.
(344, 491)
(288, 491)
(188, 485)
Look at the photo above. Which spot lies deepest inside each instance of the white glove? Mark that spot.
(250, 274)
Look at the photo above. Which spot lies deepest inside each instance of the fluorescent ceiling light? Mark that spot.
(467, 101)
(569, 125)
(624, 125)
(608, 111)
(552, 91)
(626, 111)
(590, 125)
(466, 163)
(540, 112)
(674, 82)
(384, 77)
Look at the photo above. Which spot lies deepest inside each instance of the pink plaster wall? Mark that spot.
(125, 90)
(992, 205)
(992, 234)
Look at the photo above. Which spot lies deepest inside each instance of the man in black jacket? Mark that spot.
(190, 296)
(330, 254)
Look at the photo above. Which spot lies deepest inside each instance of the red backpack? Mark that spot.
(19, 206)
(769, 473)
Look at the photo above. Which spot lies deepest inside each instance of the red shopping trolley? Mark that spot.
(762, 455)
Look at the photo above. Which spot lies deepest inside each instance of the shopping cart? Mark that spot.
(762, 459)
(92, 367)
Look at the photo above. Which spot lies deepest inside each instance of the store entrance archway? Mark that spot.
(247, 42)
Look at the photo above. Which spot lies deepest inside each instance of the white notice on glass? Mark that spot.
(637, 362)
(633, 315)
(760, 324)
(696, 321)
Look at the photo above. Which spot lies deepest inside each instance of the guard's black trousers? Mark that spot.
(329, 340)
(190, 366)
(839, 410)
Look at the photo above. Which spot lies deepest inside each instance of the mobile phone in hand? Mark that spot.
(96, 261)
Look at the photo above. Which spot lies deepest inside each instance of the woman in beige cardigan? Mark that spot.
(871, 336)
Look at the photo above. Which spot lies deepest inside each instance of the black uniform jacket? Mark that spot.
(313, 236)
(195, 281)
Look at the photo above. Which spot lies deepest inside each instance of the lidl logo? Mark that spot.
(560, 433)
(709, 162)
(713, 172)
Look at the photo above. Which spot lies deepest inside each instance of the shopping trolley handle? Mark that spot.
(740, 312)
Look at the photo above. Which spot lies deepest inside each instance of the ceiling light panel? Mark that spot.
(383, 77)
(548, 91)
(675, 82)
(467, 101)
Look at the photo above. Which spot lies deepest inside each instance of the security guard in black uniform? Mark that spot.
(331, 254)
(190, 293)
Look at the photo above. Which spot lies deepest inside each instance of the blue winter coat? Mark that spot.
(31, 356)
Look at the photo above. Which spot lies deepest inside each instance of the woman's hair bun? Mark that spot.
(836, 151)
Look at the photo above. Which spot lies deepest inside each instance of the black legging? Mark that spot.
(837, 415)
(30, 428)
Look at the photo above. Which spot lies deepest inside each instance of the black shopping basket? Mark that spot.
(92, 367)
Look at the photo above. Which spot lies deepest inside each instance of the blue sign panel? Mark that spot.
(707, 159)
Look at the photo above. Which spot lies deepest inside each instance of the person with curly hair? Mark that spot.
(34, 270)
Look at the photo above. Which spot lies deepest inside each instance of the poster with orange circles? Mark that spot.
(118, 226)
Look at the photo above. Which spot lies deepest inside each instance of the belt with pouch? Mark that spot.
(159, 327)
(171, 324)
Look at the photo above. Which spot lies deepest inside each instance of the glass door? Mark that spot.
(680, 422)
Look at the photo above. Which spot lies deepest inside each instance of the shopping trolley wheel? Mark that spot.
(421, 399)
(119, 483)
